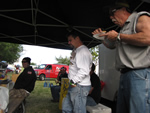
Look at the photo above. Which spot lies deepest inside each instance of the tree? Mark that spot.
(10, 52)
(32, 63)
(95, 54)
(94, 51)
(62, 60)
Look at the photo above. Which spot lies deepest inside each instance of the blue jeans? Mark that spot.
(55, 90)
(90, 101)
(134, 92)
(75, 100)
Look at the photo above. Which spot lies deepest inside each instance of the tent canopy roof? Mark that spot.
(46, 23)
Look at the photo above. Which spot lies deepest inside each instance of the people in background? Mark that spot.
(55, 90)
(132, 45)
(95, 91)
(17, 69)
(26, 80)
(79, 76)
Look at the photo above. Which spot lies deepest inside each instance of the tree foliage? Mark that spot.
(10, 52)
(95, 53)
(62, 60)
(32, 63)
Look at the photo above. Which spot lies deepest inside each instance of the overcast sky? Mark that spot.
(41, 55)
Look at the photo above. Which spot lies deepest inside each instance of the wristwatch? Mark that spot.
(72, 83)
(118, 37)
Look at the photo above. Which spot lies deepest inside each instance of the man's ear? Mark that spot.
(77, 38)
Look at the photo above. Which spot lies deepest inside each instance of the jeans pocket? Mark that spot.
(74, 89)
(85, 91)
(140, 74)
(148, 101)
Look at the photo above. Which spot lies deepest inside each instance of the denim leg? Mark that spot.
(134, 92)
(140, 91)
(90, 101)
(55, 92)
(52, 91)
(80, 99)
(121, 101)
(67, 106)
(75, 101)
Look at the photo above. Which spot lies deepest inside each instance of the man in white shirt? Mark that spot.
(79, 76)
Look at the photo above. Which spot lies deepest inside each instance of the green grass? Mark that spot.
(39, 100)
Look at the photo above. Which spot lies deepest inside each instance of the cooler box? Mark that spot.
(99, 108)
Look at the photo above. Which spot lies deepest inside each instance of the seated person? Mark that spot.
(95, 92)
(18, 69)
(25, 82)
(56, 89)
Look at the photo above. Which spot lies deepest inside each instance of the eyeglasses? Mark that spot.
(111, 13)
(24, 61)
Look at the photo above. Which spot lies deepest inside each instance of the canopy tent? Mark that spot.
(46, 22)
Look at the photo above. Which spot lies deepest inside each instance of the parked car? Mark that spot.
(9, 70)
(49, 70)
(34, 66)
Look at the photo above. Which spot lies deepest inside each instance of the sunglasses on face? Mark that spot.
(24, 61)
(111, 13)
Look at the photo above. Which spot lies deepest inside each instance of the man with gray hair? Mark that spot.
(132, 45)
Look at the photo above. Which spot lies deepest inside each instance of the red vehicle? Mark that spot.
(9, 70)
(49, 70)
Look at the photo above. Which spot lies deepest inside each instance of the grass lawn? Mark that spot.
(39, 100)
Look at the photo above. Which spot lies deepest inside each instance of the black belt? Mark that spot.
(125, 70)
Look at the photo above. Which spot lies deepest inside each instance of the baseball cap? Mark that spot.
(26, 59)
(63, 68)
